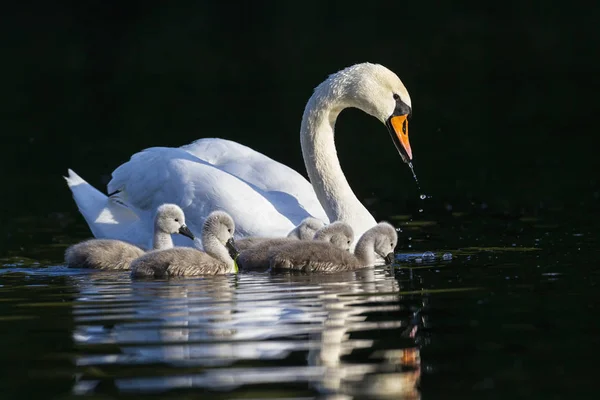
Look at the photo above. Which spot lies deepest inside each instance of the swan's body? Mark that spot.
(117, 254)
(338, 235)
(217, 232)
(265, 197)
(318, 256)
(305, 231)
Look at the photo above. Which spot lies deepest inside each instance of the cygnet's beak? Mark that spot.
(185, 231)
(233, 251)
(397, 125)
(389, 259)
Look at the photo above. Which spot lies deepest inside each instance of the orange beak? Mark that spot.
(398, 127)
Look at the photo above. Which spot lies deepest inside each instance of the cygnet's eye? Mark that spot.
(176, 219)
(348, 242)
(392, 245)
(396, 96)
(229, 230)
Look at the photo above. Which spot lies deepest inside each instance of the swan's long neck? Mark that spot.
(214, 248)
(162, 240)
(321, 161)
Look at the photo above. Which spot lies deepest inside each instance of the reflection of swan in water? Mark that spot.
(345, 314)
(220, 320)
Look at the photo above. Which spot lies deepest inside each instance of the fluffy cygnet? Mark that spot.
(117, 254)
(304, 231)
(217, 239)
(318, 256)
(338, 234)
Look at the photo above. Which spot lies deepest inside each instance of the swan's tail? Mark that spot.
(105, 217)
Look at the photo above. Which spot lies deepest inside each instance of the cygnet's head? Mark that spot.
(338, 233)
(379, 92)
(171, 219)
(384, 238)
(220, 226)
(306, 229)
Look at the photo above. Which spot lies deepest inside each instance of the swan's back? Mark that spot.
(178, 261)
(312, 256)
(102, 253)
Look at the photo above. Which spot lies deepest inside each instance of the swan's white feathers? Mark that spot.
(105, 218)
(286, 189)
(173, 175)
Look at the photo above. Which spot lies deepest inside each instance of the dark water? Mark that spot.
(511, 315)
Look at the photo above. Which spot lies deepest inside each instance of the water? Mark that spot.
(491, 320)
(412, 169)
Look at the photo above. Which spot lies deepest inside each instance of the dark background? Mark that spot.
(504, 94)
(505, 108)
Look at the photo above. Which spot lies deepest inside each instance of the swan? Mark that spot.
(317, 256)
(217, 237)
(265, 197)
(338, 235)
(305, 231)
(117, 254)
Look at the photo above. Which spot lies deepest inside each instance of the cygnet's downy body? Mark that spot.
(217, 239)
(304, 231)
(338, 235)
(117, 254)
(318, 256)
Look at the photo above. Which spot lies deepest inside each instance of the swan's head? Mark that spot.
(384, 238)
(306, 229)
(379, 92)
(338, 233)
(220, 226)
(171, 219)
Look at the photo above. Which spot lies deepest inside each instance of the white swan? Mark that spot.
(265, 197)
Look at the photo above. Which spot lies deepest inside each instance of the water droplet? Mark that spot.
(412, 169)
(420, 210)
(428, 254)
(423, 196)
(447, 256)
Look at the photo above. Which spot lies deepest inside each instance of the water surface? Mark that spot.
(506, 317)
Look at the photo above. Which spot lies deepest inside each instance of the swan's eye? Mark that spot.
(176, 219)
(229, 230)
(392, 245)
(396, 96)
(348, 242)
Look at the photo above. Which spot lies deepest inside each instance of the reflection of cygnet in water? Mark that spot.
(304, 231)
(338, 235)
(116, 254)
(217, 233)
(316, 256)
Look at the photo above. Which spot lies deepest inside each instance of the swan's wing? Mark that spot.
(161, 175)
(286, 189)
